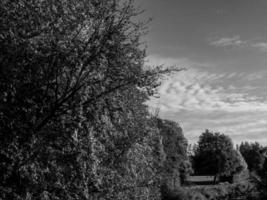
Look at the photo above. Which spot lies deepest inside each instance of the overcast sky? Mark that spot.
(223, 44)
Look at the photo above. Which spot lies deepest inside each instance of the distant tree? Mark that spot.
(252, 154)
(216, 156)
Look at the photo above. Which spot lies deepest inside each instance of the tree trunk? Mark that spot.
(214, 180)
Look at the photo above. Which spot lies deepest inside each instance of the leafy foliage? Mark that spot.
(252, 154)
(225, 191)
(215, 155)
(72, 120)
(260, 177)
(176, 165)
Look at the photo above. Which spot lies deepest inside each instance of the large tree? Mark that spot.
(215, 155)
(72, 87)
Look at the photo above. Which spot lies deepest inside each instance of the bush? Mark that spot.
(178, 194)
(197, 196)
(218, 192)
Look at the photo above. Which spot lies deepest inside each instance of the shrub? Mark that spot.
(178, 194)
(197, 196)
(223, 191)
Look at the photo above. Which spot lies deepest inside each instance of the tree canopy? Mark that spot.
(215, 155)
(253, 156)
(176, 165)
(72, 120)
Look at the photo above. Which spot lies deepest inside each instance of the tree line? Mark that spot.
(214, 154)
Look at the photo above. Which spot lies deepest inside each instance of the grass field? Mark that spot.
(200, 180)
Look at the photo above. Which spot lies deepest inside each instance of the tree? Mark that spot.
(176, 165)
(264, 173)
(216, 156)
(73, 84)
(260, 178)
(252, 154)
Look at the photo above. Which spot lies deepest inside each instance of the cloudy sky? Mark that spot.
(223, 45)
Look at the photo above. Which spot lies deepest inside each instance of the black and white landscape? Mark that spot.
(133, 99)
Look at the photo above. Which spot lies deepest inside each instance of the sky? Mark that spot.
(223, 46)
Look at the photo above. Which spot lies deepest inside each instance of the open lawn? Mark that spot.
(200, 180)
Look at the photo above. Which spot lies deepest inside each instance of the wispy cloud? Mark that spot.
(196, 90)
(228, 42)
(248, 76)
(236, 41)
(260, 45)
(255, 76)
(198, 99)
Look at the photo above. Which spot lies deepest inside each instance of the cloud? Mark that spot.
(248, 76)
(196, 90)
(255, 76)
(200, 99)
(260, 45)
(232, 75)
(234, 41)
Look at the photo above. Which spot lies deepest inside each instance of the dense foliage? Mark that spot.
(263, 184)
(215, 155)
(260, 177)
(72, 120)
(252, 154)
(255, 156)
(176, 166)
(224, 191)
